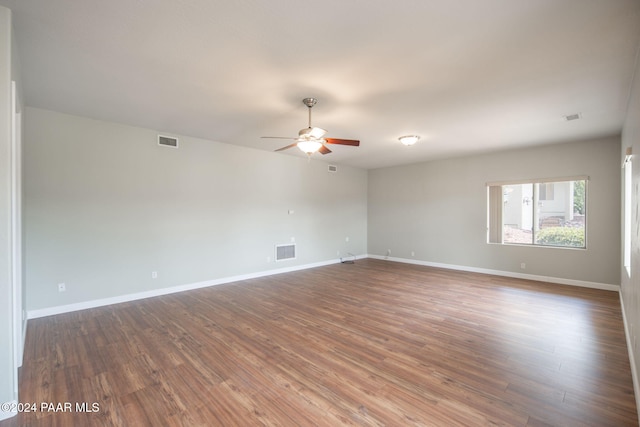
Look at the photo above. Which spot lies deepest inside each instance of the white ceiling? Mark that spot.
(466, 75)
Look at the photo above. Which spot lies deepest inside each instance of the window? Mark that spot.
(546, 190)
(549, 212)
(628, 179)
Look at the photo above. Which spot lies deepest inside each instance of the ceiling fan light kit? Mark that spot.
(311, 139)
(409, 139)
(309, 147)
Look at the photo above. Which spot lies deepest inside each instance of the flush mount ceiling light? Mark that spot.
(409, 139)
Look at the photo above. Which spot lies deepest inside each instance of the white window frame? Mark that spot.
(628, 193)
(495, 226)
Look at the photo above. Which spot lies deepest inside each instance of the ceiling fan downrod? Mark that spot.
(309, 102)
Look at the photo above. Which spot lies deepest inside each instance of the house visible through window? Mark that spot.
(542, 212)
(546, 190)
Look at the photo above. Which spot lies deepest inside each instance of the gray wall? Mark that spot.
(439, 211)
(7, 371)
(630, 288)
(105, 206)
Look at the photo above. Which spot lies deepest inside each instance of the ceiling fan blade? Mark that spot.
(287, 147)
(278, 137)
(352, 142)
(324, 150)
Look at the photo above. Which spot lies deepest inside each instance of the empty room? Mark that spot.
(297, 213)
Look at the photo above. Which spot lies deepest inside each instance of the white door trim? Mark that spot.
(16, 231)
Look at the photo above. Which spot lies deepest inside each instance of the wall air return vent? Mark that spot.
(572, 117)
(333, 169)
(285, 252)
(167, 141)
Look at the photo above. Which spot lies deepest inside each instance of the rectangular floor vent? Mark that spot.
(285, 252)
(333, 169)
(167, 141)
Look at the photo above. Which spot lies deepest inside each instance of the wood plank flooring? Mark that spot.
(373, 343)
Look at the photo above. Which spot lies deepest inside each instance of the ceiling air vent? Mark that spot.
(571, 117)
(285, 252)
(167, 141)
(333, 169)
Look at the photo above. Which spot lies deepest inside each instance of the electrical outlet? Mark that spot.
(523, 265)
(268, 259)
(154, 274)
(338, 253)
(346, 239)
(413, 253)
(62, 287)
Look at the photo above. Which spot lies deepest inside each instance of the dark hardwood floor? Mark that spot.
(371, 343)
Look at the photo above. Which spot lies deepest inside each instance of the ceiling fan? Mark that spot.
(311, 139)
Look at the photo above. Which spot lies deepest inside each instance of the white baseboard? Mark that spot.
(632, 357)
(5, 415)
(50, 311)
(558, 280)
